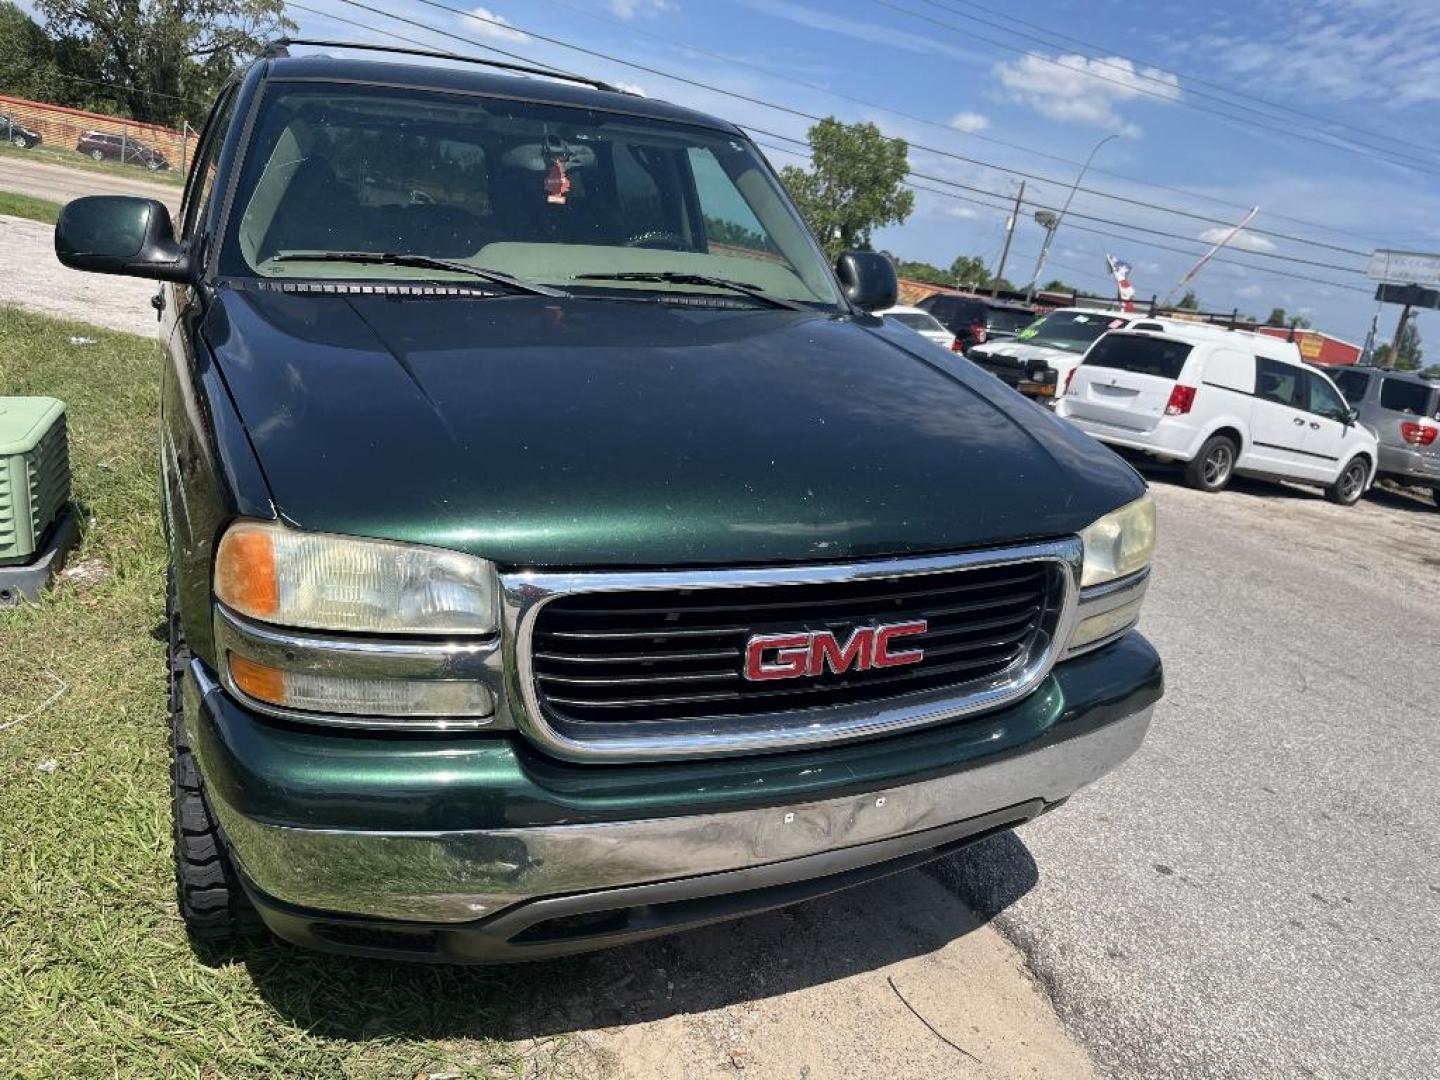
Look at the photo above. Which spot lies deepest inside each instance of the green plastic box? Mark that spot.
(34, 474)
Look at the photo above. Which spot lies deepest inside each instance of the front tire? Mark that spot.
(1213, 467)
(96, 155)
(217, 914)
(20, 141)
(1350, 484)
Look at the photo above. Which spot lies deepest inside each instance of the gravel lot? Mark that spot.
(32, 278)
(1257, 892)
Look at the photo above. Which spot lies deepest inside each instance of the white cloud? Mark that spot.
(969, 122)
(488, 24)
(632, 88)
(1340, 50)
(1078, 89)
(628, 9)
(1245, 241)
(964, 213)
(1250, 292)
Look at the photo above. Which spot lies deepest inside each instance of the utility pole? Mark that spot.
(1009, 235)
(1394, 353)
(1050, 235)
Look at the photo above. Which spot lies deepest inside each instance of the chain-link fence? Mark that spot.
(29, 124)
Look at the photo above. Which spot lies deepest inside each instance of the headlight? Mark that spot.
(1120, 543)
(1117, 547)
(286, 577)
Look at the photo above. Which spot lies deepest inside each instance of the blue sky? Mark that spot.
(970, 77)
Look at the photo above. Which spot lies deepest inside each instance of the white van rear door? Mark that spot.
(1125, 381)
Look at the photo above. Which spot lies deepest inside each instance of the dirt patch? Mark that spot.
(32, 278)
(895, 979)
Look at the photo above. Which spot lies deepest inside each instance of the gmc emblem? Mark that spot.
(790, 656)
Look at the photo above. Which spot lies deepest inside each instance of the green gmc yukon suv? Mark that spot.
(561, 554)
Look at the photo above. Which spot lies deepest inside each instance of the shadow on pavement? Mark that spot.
(897, 918)
(1410, 500)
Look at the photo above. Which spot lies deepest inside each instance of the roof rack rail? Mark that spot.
(281, 47)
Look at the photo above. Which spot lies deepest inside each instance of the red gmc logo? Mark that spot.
(789, 656)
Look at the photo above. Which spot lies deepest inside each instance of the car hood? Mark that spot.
(589, 432)
(1023, 352)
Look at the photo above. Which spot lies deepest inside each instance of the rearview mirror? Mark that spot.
(868, 279)
(120, 234)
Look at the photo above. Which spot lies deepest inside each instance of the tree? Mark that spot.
(27, 58)
(970, 270)
(1189, 302)
(853, 188)
(920, 271)
(1056, 285)
(1278, 317)
(1409, 354)
(164, 58)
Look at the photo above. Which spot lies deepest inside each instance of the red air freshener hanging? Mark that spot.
(557, 184)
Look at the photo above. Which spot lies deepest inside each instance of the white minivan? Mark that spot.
(1220, 401)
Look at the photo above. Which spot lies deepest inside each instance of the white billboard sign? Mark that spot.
(1405, 267)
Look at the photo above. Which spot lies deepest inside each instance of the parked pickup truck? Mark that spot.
(562, 553)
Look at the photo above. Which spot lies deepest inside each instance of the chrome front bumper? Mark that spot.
(463, 876)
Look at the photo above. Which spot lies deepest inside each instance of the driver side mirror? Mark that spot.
(121, 234)
(868, 279)
(1352, 416)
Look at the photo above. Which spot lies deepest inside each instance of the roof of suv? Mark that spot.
(1272, 348)
(473, 80)
(1404, 376)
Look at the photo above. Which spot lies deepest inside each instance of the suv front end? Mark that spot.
(510, 823)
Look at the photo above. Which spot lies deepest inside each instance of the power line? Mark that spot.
(1189, 78)
(414, 41)
(1083, 216)
(947, 128)
(801, 114)
(132, 90)
(1328, 140)
(1006, 208)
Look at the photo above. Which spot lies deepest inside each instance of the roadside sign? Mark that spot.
(1413, 295)
(1404, 267)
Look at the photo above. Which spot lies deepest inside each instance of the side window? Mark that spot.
(1402, 395)
(1323, 400)
(201, 185)
(1353, 385)
(1280, 383)
(731, 226)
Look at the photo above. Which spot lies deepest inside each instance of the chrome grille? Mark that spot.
(652, 661)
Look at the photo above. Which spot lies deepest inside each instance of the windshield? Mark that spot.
(918, 320)
(1073, 331)
(542, 192)
(1141, 355)
(1008, 320)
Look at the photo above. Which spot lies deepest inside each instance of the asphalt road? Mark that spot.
(44, 180)
(1257, 892)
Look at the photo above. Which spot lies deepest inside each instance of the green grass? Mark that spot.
(64, 155)
(27, 206)
(97, 978)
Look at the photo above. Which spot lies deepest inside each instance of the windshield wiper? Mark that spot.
(676, 278)
(423, 262)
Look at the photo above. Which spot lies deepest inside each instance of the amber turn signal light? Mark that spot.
(258, 681)
(245, 571)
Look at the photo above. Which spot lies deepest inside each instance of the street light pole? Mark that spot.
(1050, 233)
